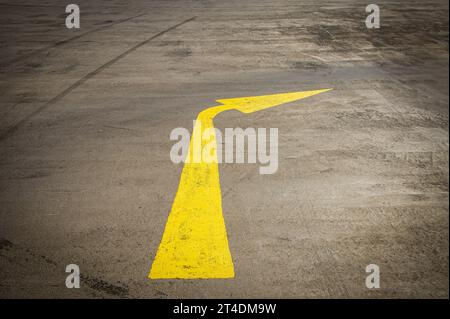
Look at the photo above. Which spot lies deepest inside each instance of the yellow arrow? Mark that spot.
(195, 244)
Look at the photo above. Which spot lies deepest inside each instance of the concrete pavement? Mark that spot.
(85, 118)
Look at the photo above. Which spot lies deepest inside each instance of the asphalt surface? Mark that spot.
(85, 118)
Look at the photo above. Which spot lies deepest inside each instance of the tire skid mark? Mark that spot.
(65, 41)
(10, 131)
(94, 283)
(103, 286)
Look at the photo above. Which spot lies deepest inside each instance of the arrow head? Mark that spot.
(256, 103)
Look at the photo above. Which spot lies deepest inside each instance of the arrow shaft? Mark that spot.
(195, 243)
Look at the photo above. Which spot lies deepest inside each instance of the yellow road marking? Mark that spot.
(195, 243)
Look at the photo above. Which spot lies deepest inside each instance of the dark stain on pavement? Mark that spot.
(180, 53)
(5, 244)
(103, 286)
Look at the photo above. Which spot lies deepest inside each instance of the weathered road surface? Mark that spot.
(85, 118)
